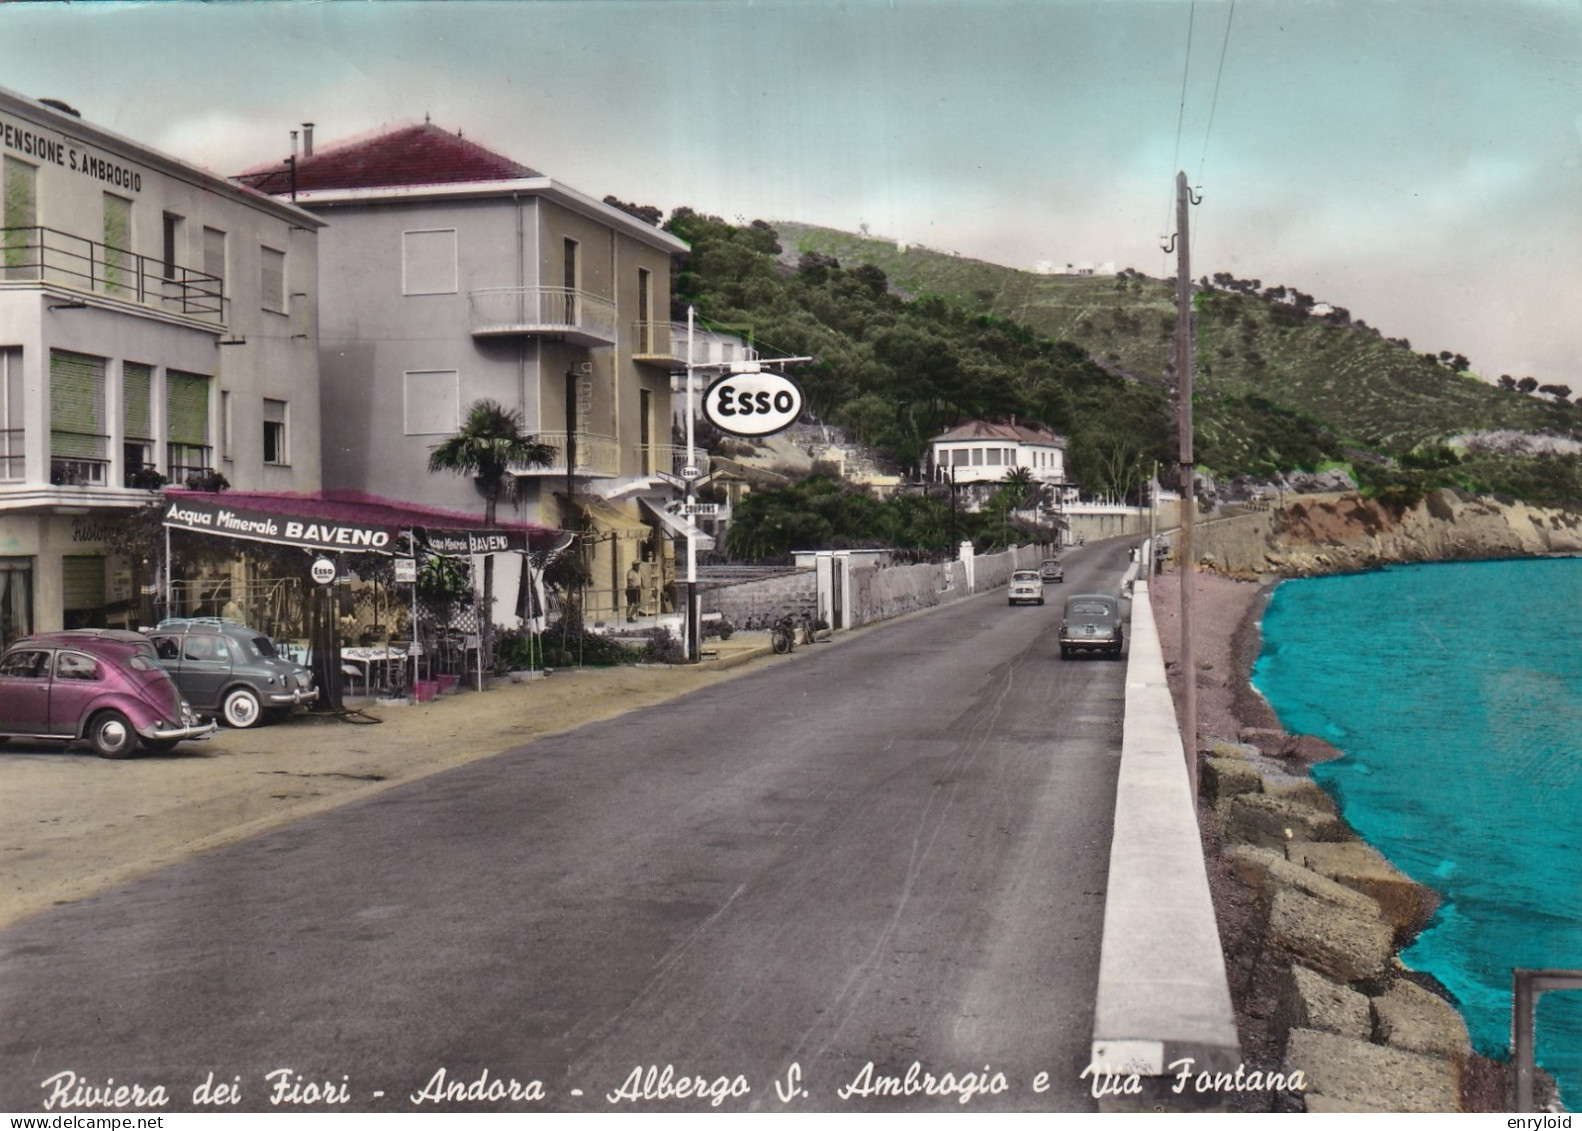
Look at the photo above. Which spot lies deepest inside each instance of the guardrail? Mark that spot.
(1163, 993)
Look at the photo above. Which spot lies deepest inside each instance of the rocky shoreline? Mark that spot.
(1312, 919)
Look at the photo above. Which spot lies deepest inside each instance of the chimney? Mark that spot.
(307, 140)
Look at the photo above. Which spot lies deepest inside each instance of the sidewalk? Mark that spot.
(80, 824)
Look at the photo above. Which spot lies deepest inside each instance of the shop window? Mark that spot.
(275, 449)
(272, 279)
(431, 402)
(428, 262)
(16, 599)
(82, 590)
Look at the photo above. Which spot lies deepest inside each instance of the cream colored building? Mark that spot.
(156, 323)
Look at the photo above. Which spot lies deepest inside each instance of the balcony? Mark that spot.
(655, 343)
(597, 456)
(576, 316)
(185, 462)
(44, 255)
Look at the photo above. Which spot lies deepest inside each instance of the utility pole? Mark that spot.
(692, 630)
(1186, 557)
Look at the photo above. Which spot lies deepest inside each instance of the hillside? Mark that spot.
(1337, 380)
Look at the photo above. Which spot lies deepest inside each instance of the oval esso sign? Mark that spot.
(752, 404)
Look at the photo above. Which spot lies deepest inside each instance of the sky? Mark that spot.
(1416, 161)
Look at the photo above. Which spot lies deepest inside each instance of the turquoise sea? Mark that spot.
(1454, 692)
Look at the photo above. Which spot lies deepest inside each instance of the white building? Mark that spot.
(982, 452)
(157, 323)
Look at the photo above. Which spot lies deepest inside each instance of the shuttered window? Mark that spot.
(428, 262)
(20, 216)
(275, 450)
(76, 406)
(272, 279)
(82, 581)
(187, 408)
(137, 403)
(117, 239)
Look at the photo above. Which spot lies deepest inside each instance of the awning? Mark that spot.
(610, 518)
(677, 527)
(360, 524)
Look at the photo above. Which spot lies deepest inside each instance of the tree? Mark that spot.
(486, 447)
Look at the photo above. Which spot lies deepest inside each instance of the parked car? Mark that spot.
(1091, 622)
(1026, 586)
(104, 685)
(230, 669)
(1051, 570)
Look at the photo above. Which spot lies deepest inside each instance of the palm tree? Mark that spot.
(486, 447)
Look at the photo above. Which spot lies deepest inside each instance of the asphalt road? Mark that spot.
(789, 888)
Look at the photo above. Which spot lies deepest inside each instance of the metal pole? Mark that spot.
(694, 645)
(1522, 1039)
(168, 597)
(1187, 557)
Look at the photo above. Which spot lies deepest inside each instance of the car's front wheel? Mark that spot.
(111, 735)
(241, 708)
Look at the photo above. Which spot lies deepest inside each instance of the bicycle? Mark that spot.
(783, 633)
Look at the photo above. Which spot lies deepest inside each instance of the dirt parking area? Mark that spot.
(76, 825)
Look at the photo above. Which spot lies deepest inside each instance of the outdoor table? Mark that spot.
(385, 657)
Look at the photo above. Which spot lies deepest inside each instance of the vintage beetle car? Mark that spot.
(226, 667)
(1050, 569)
(1026, 586)
(1091, 622)
(104, 685)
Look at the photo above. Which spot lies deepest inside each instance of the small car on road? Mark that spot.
(99, 684)
(1051, 570)
(1026, 586)
(226, 667)
(1091, 622)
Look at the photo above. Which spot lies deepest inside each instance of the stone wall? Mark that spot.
(877, 592)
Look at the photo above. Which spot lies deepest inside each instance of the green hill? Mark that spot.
(1254, 354)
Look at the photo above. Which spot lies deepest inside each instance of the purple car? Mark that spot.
(101, 684)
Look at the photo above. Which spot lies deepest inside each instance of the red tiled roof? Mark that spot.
(412, 155)
(1028, 432)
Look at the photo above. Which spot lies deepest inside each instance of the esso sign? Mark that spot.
(752, 404)
(322, 571)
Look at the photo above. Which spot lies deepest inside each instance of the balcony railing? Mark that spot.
(13, 463)
(188, 461)
(574, 315)
(73, 471)
(671, 458)
(44, 255)
(655, 342)
(596, 455)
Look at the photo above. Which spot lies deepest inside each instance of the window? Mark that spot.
(428, 262)
(187, 425)
(74, 665)
(137, 431)
(16, 599)
(214, 267)
(19, 216)
(272, 279)
(118, 241)
(571, 276)
(172, 244)
(79, 442)
(13, 463)
(275, 450)
(82, 588)
(645, 307)
(431, 402)
(225, 424)
(977, 457)
(26, 665)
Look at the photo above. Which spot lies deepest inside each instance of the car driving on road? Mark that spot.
(1026, 586)
(102, 685)
(226, 667)
(1091, 622)
(1051, 570)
